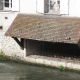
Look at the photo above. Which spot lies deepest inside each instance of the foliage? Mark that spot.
(62, 68)
(2, 57)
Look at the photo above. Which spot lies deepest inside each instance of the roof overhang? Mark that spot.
(45, 28)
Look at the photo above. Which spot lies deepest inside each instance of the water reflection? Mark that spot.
(18, 71)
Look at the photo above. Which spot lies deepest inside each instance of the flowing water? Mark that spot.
(18, 71)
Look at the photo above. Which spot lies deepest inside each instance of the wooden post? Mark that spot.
(25, 46)
(20, 43)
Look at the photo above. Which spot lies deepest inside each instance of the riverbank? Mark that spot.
(10, 70)
(51, 62)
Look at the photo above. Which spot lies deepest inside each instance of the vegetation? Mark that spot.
(62, 68)
(2, 57)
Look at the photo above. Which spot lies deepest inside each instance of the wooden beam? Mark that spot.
(20, 42)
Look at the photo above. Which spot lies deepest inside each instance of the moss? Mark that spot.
(62, 68)
(2, 57)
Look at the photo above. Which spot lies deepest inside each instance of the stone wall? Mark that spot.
(7, 44)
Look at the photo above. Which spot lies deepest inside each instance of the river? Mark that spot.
(17, 71)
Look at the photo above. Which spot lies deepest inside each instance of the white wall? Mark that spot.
(74, 8)
(28, 6)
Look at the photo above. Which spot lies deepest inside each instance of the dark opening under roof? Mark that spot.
(45, 28)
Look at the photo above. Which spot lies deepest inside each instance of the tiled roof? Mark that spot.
(45, 28)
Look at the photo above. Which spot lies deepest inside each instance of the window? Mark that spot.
(5, 4)
(54, 4)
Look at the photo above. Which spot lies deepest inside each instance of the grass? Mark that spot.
(62, 68)
(2, 57)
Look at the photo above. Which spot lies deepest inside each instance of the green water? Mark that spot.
(18, 71)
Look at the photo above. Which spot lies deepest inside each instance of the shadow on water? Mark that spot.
(52, 49)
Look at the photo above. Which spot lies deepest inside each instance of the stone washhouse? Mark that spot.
(26, 28)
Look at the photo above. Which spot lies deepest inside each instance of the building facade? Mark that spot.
(62, 7)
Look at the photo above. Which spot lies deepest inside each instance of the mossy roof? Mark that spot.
(45, 28)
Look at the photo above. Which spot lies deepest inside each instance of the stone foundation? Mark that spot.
(54, 62)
